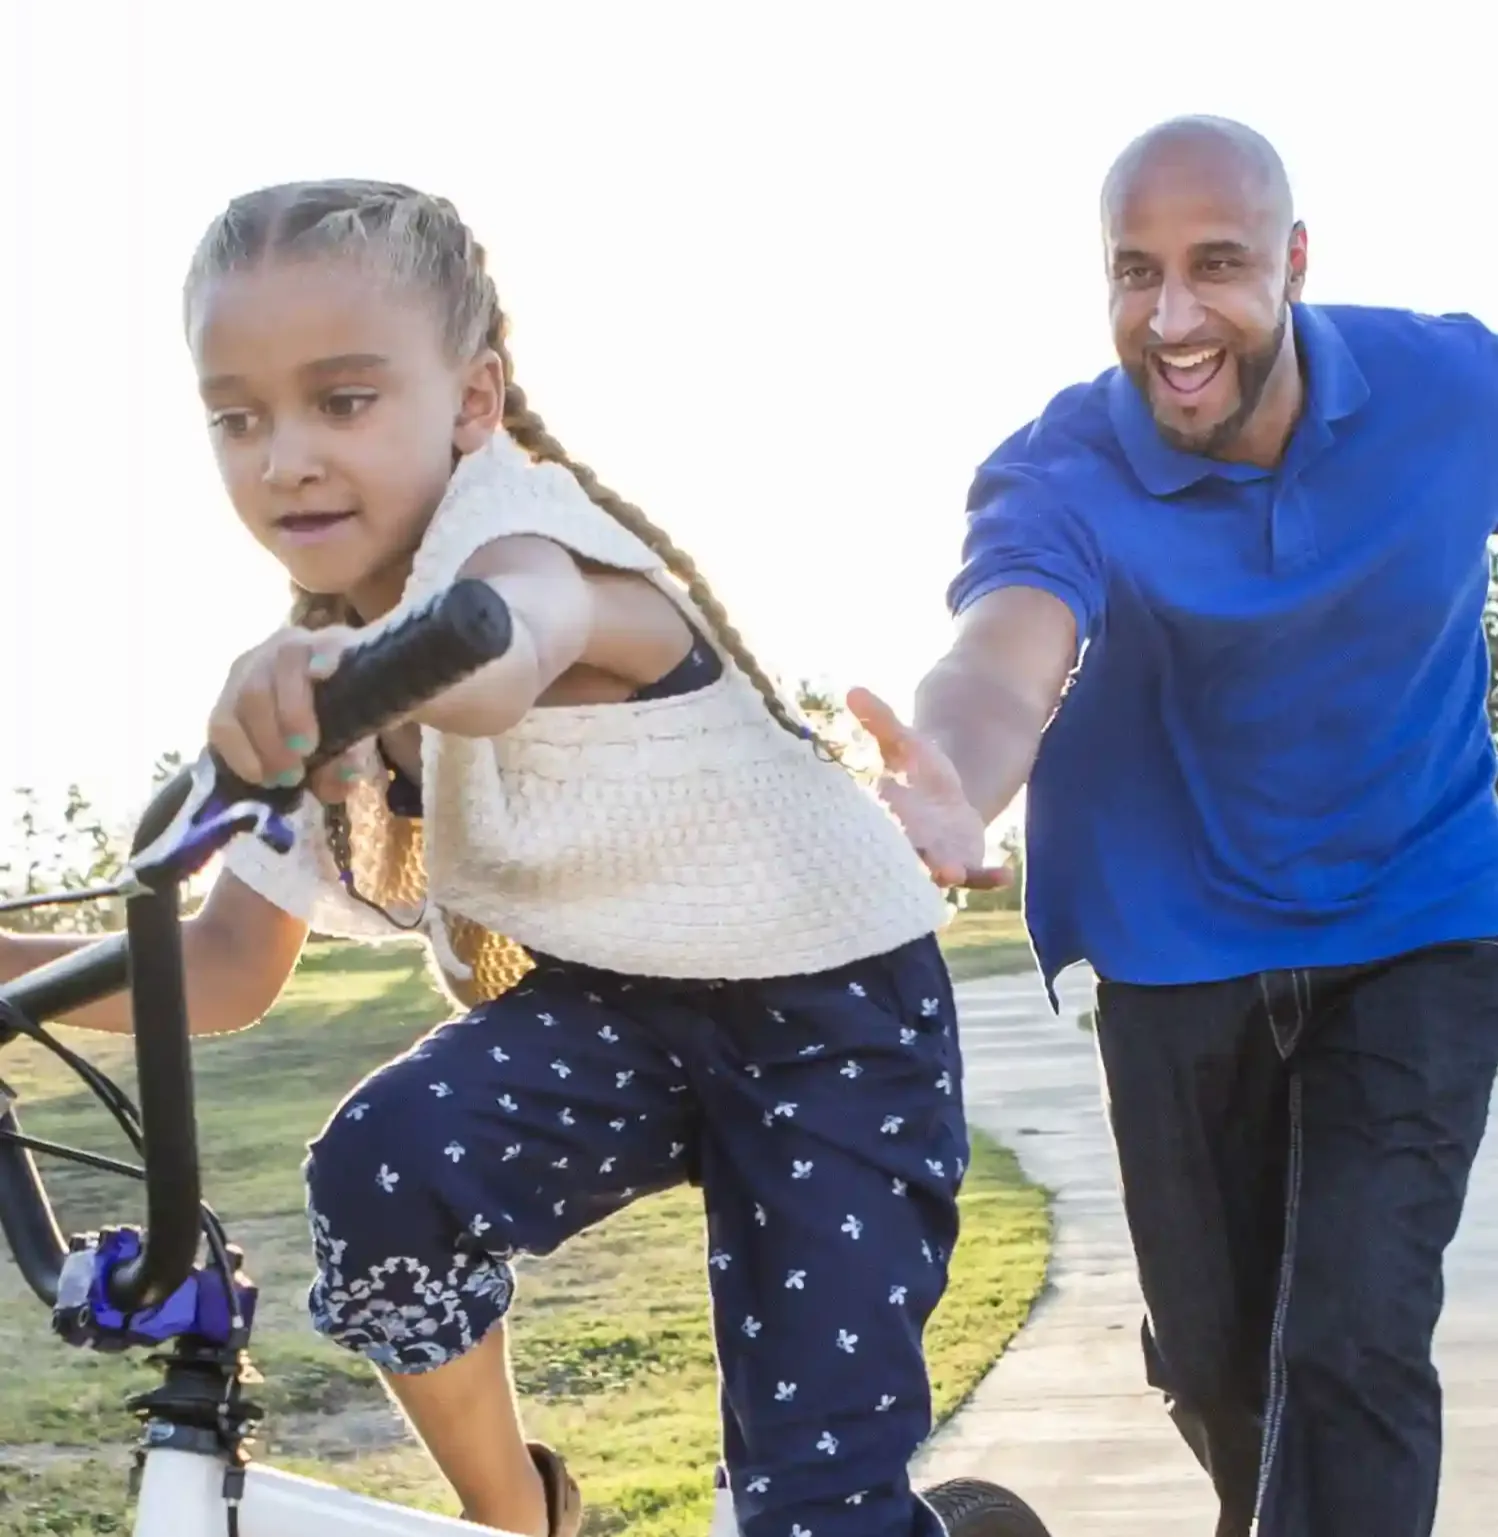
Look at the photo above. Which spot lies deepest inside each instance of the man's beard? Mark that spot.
(1253, 372)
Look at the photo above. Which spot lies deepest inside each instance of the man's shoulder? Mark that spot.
(1379, 335)
(1071, 441)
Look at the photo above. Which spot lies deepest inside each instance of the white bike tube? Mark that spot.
(182, 1495)
(725, 1523)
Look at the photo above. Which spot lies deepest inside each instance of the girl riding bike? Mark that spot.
(691, 946)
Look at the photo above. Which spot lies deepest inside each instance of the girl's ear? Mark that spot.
(481, 406)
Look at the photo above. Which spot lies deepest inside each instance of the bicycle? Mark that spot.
(123, 1288)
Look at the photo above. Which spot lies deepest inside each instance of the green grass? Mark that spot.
(981, 943)
(614, 1323)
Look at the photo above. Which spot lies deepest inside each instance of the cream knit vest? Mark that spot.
(689, 837)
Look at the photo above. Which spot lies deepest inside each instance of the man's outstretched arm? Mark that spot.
(986, 703)
(979, 717)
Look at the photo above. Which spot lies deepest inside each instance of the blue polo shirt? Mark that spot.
(1275, 751)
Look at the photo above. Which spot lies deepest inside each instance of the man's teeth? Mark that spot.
(1191, 359)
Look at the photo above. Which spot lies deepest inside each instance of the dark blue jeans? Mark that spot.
(1294, 1150)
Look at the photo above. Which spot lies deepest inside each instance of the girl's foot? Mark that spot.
(563, 1499)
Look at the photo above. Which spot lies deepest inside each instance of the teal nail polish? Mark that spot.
(288, 777)
(299, 744)
(348, 773)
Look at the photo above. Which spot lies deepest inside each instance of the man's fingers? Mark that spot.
(891, 734)
(943, 873)
(988, 878)
(949, 874)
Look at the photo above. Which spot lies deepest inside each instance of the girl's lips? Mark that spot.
(311, 527)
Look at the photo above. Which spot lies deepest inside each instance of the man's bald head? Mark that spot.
(1190, 147)
(1205, 259)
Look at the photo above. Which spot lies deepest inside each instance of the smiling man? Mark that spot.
(1221, 610)
(1213, 356)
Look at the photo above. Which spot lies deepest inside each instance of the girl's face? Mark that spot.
(335, 413)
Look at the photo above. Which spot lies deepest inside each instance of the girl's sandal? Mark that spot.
(564, 1501)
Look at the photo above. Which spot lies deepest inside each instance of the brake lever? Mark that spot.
(206, 822)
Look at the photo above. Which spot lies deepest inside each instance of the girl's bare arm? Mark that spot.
(612, 623)
(238, 951)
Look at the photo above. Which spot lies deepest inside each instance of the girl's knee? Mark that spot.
(408, 1313)
(413, 1237)
(381, 1146)
(401, 1279)
(344, 1168)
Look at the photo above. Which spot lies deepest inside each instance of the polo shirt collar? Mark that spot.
(1336, 390)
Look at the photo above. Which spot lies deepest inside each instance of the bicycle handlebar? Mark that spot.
(376, 684)
(385, 678)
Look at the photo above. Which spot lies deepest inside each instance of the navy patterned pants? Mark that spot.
(822, 1117)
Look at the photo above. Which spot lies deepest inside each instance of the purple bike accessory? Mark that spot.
(200, 1308)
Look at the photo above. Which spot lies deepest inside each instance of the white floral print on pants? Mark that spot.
(822, 1117)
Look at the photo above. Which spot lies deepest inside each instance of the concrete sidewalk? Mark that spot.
(1066, 1420)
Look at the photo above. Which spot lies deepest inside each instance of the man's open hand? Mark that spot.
(921, 788)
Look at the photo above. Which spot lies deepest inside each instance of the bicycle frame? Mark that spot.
(181, 1493)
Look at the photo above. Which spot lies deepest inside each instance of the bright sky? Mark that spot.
(784, 273)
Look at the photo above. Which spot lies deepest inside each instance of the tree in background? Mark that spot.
(73, 851)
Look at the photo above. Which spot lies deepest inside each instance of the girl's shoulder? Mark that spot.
(500, 492)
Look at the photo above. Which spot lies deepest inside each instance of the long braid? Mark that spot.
(526, 426)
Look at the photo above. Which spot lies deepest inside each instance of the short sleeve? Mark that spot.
(1477, 386)
(304, 881)
(497, 492)
(1020, 535)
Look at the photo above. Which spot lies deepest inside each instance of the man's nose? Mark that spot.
(1178, 311)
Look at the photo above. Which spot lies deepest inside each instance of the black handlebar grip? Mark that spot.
(396, 672)
(429, 651)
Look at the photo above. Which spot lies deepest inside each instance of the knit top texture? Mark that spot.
(687, 837)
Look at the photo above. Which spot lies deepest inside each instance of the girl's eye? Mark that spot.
(233, 424)
(344, 405)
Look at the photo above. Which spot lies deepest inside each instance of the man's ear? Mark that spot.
(1296, 267)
